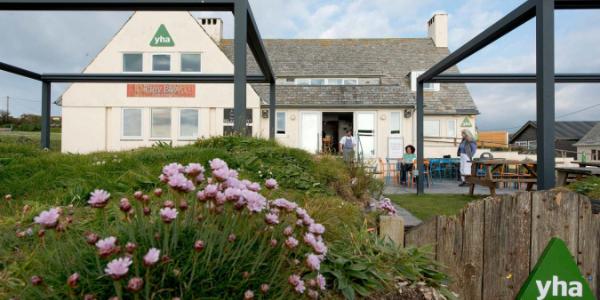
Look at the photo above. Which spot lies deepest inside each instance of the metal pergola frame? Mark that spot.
(245, 34)
(544, 78)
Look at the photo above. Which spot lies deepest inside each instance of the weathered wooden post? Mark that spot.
(392, 227)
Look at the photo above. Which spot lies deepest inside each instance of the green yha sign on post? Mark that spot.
(556, 276)
(162, 38)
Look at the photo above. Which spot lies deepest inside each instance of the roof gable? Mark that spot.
(592, 138)
(564, 130)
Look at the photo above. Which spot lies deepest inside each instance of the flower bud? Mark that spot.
(273, 243)
(245, 275)
(8, 197)
(135, 284)
(91, 238)
(157, 236)
(41, 233)
(264, 288)
(169, 204)
(138, 195)
(89, 297)
(147, 211)
(165, 259)
(199, 245)
(124, 205)
(130, 247)
(26, 208)
(158, 192)
(183, 205)
(312, 294)
(248, 295)
(73, 280)
(36, 280)
(145, 198)
(231, 238)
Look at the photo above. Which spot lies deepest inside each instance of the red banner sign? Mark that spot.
(161, 90)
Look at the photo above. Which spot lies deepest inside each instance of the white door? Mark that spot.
(365, 133)
(310, 131)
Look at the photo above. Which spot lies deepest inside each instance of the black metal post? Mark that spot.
(45, 136)
(272, 112)
(240, 68)
(545, 94)
(420, 142)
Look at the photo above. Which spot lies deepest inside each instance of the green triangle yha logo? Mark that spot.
(162, 38)
(555, 276)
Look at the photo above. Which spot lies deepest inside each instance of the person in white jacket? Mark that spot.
(347, 144)
(466, 152)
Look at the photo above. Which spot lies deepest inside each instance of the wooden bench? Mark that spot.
(578, 172)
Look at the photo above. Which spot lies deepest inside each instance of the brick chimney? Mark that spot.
(438, 29)
(214, 28)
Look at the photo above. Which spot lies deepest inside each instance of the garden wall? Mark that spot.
(490, 247)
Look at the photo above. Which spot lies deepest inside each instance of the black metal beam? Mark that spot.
(272, 108)
(19, 71)
(239, 65)
(505, 25)
(132, 78)
(513, 78)
(545, 94)
(117, 5)
(46, 111)
(577, 4)
(420, 142)
(255, 43)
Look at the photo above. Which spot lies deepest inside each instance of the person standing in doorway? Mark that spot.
(408, 160)
(466, 152)
(347, 144)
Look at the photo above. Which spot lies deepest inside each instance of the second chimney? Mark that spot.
(438, 29)
(214, 28)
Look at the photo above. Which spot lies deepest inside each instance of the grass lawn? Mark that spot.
(29, 138)
(426, 206)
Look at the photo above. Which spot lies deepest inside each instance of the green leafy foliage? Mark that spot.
(589, 186)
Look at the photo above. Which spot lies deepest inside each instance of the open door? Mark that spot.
(365, 133)
(310, 131)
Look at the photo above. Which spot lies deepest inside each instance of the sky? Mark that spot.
(68, 41)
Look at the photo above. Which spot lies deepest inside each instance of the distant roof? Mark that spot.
(565, 130)
(592, 138)
(391, 60)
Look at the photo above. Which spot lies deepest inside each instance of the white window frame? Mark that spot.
(181, 62)
(328, 81)
(427, 87)
(132, 138)
(345, 80)
(123, 62)
(454, 128)
(170, 62)
(188, 138)
(170, 137)
(277, 129)
(298, 80)
(401, 126)
(425, 128)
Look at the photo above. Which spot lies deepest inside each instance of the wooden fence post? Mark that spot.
(392, 227)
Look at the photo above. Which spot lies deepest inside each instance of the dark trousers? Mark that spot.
(404, 169)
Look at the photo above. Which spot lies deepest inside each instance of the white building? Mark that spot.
(324, 87)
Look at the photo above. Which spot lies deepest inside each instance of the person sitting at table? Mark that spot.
(466, 151)
(406, 165)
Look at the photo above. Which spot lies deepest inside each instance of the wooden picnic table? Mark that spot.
(578, 172)
(492, 166)
(587, 163)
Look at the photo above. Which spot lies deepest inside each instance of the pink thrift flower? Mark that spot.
(151, 258)
(316, 228)
(321, 282)
(300, 288)
(301, 213)
(48, 219)
(232, 193)
(248, 295)
(254, 201)
(271, 219)
(254, 187)
(168, 214)
(172, 169)
(307, 220)
(271, 184)
(98, 198)
(180, 183)
(135, 284)
(288, 231)
(386, 206)
(194, 169)
(313, 262)
(281, 203)
(210, 191)
(233, 173)
(320, 247)
(217, 164)
(201, 196)
(294, 279)
(221, 174)
(220, 199)
(106, 246)
(232, 182)
(118, 268)
(310, 239)
(291, 242)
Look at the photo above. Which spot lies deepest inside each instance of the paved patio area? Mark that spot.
(444, 187)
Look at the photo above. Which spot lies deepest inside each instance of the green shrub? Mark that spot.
(589, 186)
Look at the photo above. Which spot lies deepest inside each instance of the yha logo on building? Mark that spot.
(556, 276)
(162, 38)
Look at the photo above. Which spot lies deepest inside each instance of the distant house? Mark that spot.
(590, 144)
(567, 134)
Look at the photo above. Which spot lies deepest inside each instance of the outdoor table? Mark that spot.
(587, 163)
(493, 165)
(579, 172)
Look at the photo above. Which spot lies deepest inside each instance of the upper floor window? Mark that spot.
(431, 128)
(395, 122)
(161, 62)
(328, 81)
(132, 62)
(451, 129)
(190, 62)
(428, 86)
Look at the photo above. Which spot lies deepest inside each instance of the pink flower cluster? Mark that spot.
(180, 178)
(48, 219)
(387, 207)
(98, 198)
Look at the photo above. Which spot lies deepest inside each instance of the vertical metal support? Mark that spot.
(545, 94)
(240, 68)
(45, 137)
(420, 142)
(272, 113)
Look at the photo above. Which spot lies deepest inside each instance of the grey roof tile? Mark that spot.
(592, 138)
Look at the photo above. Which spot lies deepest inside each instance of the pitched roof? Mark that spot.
(564, 130)
(391, 60)
(592, 138)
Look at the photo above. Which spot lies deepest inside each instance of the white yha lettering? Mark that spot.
(162, 39)
(543, 289)
(556, 283)
(575, 289)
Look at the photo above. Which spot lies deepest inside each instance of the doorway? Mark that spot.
(335, 125)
